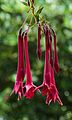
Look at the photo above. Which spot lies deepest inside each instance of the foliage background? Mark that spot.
(12, 15)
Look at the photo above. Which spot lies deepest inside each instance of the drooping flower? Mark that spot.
(47, 39)
(18, 87)
(47, 67)
(56, 63)
(51, 59)
(29, 86)
(39, 51)
(52, 94)
(48, 86)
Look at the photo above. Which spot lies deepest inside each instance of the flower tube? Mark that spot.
(39, 51)
(29, 86)
(18, 87)
(56, 63)
(47, 67)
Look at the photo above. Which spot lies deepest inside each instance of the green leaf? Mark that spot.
(40, 10)
(24, 3)
(37, 17)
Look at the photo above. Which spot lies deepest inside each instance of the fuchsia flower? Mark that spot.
(29, 86)
(56, 64)
(18, 87)
(52, 94)
(51, 59)
(39, 51)
(48, 86)
(47, 67)
(47, 39)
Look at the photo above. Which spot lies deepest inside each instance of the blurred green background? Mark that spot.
(59, 15)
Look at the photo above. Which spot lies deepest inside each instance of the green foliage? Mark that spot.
(59, 15)
(40, 10)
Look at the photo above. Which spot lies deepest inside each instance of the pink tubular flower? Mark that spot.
(29, 86)
(18, 87)
(56, 64)
(48, 86)
(39, 51)
(52, 94)
(47, 39)
(47, 76)
(47, 68)
(51, 59)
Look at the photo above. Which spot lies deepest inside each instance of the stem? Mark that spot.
(25, 21)
(30, 22)
(32, 6)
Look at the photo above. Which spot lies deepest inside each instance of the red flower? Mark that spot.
(39, 51)
(29, 86)
(48, 86)
(47, 39)
(56, 64)
(18, 87)
(52, 94)
(51, 59)
(47, 68)
(47, 75)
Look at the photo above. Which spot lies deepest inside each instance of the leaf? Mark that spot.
(25, 3)
(37, 17)
(40, 10)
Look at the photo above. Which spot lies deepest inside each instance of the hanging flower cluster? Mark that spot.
(51, 64)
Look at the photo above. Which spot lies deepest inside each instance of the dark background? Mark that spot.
(59, 15)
